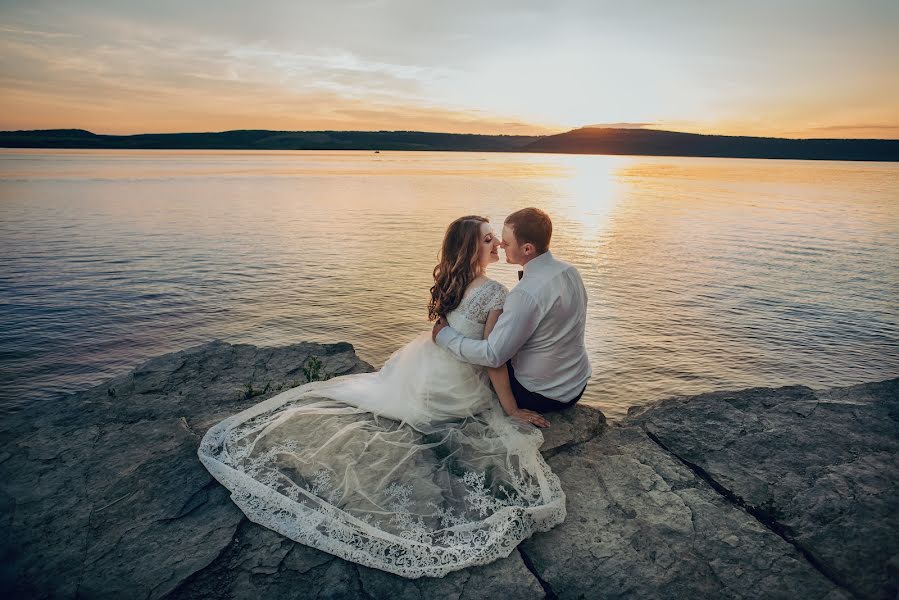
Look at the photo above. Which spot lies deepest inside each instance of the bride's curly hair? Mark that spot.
(458, 265)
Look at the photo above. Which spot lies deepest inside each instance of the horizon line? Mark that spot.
(510, 135)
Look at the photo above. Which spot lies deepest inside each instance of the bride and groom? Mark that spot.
(431, 464)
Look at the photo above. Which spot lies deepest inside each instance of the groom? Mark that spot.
(540, 334)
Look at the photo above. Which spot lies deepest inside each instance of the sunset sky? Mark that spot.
(793, 68)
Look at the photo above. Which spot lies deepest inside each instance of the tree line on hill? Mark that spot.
(586, 140)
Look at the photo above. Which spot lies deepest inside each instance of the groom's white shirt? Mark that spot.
(541, 330)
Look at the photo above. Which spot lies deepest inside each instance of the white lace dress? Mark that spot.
(414, 469)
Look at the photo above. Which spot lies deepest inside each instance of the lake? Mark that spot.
(703, 274)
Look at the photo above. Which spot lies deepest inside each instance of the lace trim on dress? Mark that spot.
(485, 298)
(404, 540)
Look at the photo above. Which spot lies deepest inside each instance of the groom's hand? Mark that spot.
(530, 416)
(438, 325)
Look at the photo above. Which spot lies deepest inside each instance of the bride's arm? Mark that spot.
(499, 377)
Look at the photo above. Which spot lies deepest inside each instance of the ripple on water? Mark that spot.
(703, 274)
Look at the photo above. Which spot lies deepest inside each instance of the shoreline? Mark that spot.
(584, 140)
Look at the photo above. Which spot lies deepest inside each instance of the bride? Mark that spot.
(415, 469)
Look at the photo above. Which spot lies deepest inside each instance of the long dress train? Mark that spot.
(413, 469)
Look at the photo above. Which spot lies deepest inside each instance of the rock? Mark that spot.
(102, 495)
(260, 563)
(641, 525)
(571, 427)
(819, 468)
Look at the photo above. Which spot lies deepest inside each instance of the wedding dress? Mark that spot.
(414, 469)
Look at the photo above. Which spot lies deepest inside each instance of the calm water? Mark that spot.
(703, 274)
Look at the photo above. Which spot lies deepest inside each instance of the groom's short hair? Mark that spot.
(531, 225)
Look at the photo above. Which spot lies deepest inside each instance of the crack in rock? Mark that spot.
(759, 515)
(87, 529)
(529, 564)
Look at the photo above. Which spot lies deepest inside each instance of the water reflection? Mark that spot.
(703, 274)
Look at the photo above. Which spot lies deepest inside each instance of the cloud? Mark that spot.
(43, 34)
(867, 130)
(505, 66)
(881, 126)
(202, 85)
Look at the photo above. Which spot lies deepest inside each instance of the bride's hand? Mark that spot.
(534, 418)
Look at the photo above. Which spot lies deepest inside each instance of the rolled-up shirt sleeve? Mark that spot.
(520, 318)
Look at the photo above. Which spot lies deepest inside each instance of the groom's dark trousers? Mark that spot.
(534, 401)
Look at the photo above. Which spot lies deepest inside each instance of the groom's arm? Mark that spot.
(520, 318)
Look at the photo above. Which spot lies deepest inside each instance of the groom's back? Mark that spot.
(553, 362)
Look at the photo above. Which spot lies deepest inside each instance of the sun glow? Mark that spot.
(489, 69)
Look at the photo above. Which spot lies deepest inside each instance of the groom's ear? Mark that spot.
(529, 249)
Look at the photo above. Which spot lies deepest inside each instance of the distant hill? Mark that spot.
(587, 140)
(268, 140)
(602, 140)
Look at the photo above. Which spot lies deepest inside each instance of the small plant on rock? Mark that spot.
(312, 369)
(250, 392)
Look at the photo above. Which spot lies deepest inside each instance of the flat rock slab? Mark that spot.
(570, 427)
(642, 525)
(102, 492)
(818, 467)
(260, 563)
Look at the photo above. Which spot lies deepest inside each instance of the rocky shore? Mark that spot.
(762, 493)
